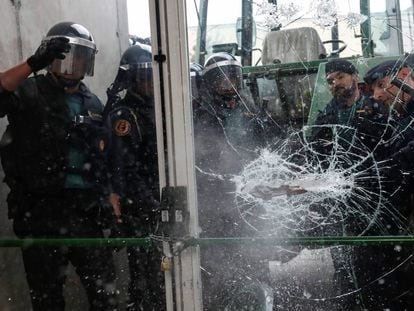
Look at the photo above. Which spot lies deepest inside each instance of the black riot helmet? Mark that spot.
(222, 74)
(137, 61)
(196, 80)
(80, 60)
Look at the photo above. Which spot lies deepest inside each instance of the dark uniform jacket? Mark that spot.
(225, 140)
(381, 274)
(336, 114)
(35, 146)
(392, 262)
(133, 155)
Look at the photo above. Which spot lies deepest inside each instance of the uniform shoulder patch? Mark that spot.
(122, 127)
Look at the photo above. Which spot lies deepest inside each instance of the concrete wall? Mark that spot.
(23, 24)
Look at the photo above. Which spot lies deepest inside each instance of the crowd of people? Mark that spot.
(76, 167)
(371, 116)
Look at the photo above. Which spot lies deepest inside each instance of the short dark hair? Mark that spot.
(340, 65)
(383, 69)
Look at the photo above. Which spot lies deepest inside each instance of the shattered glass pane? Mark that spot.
(266, 171)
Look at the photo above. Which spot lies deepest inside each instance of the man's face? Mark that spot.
(389, 94)
(227, 87)
(145, 85)
(147, 88)
(341, 84)
(383, 91)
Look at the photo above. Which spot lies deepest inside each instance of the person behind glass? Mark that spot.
(383, 274)
(345, 125)
(227, 133)
(384, 79)
(52, 154)
(342, 78)
(224, 127)
(135, 182)
(392, 84)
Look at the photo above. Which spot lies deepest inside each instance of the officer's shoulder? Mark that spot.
(121, 112)
(123, 120)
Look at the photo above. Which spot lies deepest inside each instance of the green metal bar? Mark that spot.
(284, 69)
(287, 69)
(308, 241)
(80, 242)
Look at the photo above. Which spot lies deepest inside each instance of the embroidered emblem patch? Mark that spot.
(122, 127)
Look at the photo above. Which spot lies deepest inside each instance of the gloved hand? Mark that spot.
(47, 52)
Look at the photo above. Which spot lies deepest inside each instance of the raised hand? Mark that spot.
(47, 52)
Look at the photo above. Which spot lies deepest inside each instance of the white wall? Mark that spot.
(24, 26)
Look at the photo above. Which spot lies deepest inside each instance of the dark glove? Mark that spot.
(47, 52)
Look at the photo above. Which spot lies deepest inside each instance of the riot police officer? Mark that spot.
(227, 133)
(134, 164)
(52, 154)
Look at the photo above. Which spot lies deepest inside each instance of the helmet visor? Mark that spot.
(224, 77)
(141, 75)
(79, 61)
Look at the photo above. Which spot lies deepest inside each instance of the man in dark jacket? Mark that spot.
(134, 168)
(352, 126)
(342, 78)
(333, 130)
(384, 274)
(51, 152)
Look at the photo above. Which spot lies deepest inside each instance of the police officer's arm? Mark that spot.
(125, 140)
(44, 56)
(10, 79)
(115, 162)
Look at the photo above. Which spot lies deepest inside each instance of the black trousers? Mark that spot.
(146, 287)
(69, 214)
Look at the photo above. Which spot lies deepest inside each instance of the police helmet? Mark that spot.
(222, 74)
(137, 61)
(196, 80)
(80, 60)
(386, 68)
